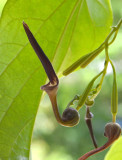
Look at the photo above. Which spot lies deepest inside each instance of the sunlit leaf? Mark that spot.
(2, 3)
(66, 30)
(115, 152)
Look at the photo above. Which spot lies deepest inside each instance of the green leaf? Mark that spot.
(66, 30)
(115, 152)
(2, 3)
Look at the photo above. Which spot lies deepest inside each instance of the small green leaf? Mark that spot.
(115, 152)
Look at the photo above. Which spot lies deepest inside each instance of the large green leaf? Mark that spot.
(115, 153)
(66, 30)
(2, 3)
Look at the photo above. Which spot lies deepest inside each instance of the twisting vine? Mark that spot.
(70, 116)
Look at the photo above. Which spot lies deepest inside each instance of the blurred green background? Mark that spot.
(52, 141)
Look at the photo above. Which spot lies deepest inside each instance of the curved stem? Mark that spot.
(112, 132)
(53, 100)
(114, 29)
(113, 38)
(76, 98)
(85, 156)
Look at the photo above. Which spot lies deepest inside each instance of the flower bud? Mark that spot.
(112, 131)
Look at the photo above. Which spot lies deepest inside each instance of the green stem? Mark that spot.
(76, 98)
(103, 74)
(85, 60)
(106, 63)
(114, 29)
(114, 96)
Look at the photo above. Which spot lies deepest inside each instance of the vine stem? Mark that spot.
(106, 63)
(85, 60)
(106, 43)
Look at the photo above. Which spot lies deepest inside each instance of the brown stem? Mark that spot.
(52, 95)
(89, 124)
(70, 115)
(112, 132)
(100, 149)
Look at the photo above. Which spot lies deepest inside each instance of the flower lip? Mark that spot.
(41, 55)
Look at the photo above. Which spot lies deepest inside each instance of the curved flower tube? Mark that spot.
(70, 116)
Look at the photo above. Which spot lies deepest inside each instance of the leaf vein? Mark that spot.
(19, 92)
(72, 34)
(20, 133)
(65, 28)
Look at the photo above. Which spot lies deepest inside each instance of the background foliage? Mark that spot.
(19, 79)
